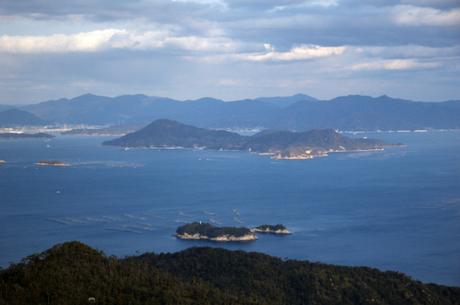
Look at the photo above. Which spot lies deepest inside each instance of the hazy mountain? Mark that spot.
(129, 109)
(298, 112)
(5, 107)
(285, 101)
(93, 109)
(167, 133)
(356, 112)
(16, 117)
(73, 273)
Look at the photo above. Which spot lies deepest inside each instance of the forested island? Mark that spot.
(73, 273)
(206, 231)
(278, 144)
(271, 229)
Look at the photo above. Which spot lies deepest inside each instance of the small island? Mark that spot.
(51, 163)
(271, 229)
(206, 231)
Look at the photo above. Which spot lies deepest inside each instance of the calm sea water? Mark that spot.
(394, 210)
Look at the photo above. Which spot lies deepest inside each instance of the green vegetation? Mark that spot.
(72, 273)
(271, 228)
(210, 231)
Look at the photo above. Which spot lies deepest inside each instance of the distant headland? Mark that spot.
(16, 135)
(277, 144)
(51, 163)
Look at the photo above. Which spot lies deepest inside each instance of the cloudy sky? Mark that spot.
(229, 49)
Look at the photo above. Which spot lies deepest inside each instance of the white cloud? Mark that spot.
(59, 43)
(409, 51)
(416, 16)
(306, 4)
(196, 43)
(101, 40)
(395, 65)
(323, 3)
(301, 52)
(217, 3)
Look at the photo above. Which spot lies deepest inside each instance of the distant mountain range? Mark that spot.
(16, 117)
(281, 144)
(298, 112)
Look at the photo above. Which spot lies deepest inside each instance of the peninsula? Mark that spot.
(206, 231)
(17, 135)
(277, 144)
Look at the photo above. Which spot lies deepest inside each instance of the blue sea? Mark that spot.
(398, 209)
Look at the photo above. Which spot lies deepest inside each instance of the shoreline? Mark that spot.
(274, 232)
(322, 154)
(222, 238)
(52, 163)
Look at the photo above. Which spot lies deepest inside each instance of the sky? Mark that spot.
(229, 49)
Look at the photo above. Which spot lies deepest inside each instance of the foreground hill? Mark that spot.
(284, 144)
(71, 273)
(297, 112)
(16, 117)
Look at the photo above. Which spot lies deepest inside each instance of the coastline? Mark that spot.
(52, 163)
(222, 238)
(269, 231)
(320, 154)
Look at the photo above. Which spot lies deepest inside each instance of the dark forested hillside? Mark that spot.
(73, 272)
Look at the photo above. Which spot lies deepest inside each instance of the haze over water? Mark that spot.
(395, 210)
